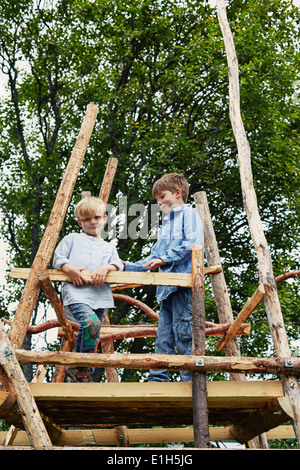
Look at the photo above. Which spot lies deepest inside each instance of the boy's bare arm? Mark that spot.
(75, 274)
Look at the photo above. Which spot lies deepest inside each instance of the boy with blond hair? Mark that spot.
(181, 229)
(87, 302)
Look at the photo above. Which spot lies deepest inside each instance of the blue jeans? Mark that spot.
(174, 331)
(89, 326)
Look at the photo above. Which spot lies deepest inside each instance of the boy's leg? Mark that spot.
(87, 337)
(183, 326)
(165, 341)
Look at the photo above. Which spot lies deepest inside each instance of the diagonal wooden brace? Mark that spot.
(28, 409)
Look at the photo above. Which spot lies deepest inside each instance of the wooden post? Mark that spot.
(272, 304)
(199, 386)
(30, 414)
(43, 257)
(121, 432)
(13, 431)
(218, 281)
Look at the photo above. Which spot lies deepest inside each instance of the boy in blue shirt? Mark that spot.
(181, 229)
(86, 301)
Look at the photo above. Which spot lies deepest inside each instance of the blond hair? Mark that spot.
(89, 207)
(171, 182)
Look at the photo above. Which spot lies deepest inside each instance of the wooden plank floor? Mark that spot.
(149, 404)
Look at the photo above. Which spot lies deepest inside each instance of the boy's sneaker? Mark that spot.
(79, 374)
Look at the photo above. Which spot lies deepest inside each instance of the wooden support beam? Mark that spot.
(126, 331)
(26, 404)
(218, 281)
(199, 388)
(13, 431)
(248, 308)
(225, 364)
(57, 305)
(106, 437)
(273, 414)
(138, 404)
(124, 277)
(271, 299)
(43, 257)
(59, 371)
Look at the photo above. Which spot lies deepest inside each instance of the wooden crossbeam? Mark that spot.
(106, 437)
(124, 277)
(225, 364)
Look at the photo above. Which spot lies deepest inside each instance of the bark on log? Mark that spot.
(57, 305)
(28, 409)
(218, 281)
(130, 331)
(271, 300)
(248, 308)
(226, 364)
(199, 386)
(111, 374)
(13, 431)
(273, 414)
(43, 257)
(59, 371)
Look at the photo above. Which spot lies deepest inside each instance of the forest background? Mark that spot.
(157, 70)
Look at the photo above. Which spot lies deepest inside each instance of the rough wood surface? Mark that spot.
(57, 305)
(13, 431)
(273, 414)
(43, 257)
(199, 388)
(106, 437)
(229, 364)
(156, 404)
(271, 300)
(248, 308)
(124, 277)
(27, 407)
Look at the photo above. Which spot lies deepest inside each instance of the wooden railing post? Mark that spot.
(199, 386)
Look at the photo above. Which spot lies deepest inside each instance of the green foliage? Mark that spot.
(158, 72)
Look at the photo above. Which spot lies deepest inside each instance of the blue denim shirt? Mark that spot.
(180, 230)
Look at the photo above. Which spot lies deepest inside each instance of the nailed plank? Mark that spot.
(124, 277)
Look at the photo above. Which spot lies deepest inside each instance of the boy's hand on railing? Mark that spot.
(75, 274)
(99, 276)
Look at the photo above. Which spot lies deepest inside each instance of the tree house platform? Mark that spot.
(144, 404)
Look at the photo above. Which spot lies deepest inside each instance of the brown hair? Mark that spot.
(88, 207)
(170, 182)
